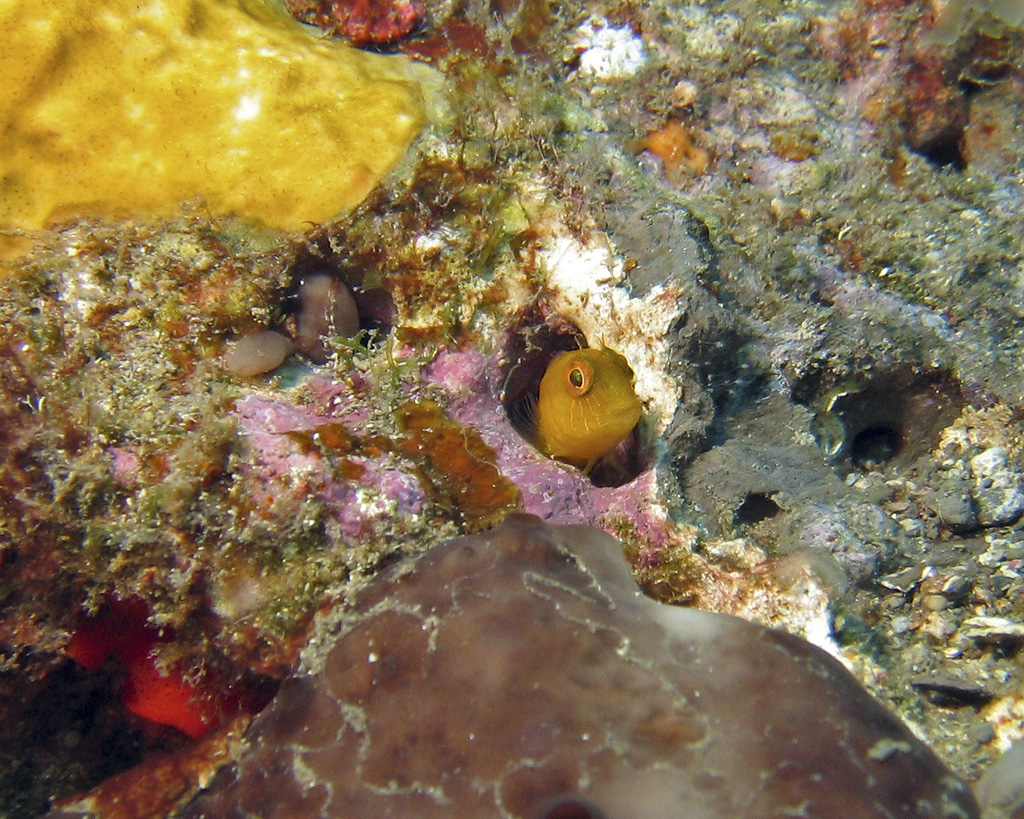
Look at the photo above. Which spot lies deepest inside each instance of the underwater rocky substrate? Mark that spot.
(798, 224)
(521, 673)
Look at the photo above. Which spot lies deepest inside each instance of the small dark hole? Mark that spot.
(571, 808)
(874, 446)
(755, 508)
(945, 151)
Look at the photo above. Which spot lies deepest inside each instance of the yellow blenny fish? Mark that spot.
(587, 405)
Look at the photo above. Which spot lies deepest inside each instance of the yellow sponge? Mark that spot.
(121, 105)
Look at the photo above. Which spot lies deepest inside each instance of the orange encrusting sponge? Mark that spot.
(121, 630)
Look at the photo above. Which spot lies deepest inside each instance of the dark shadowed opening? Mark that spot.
(756, 507)
(571, 808)
(875, 446)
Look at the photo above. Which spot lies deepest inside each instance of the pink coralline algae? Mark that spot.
(310, 451)
(520, 673)
(471, 383)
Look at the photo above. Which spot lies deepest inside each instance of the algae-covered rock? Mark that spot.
(120, 105)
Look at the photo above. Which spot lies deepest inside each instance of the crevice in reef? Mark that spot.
(889, 423)
(532, 346)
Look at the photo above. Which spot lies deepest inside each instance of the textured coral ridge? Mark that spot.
(142, 106)
(520, 673)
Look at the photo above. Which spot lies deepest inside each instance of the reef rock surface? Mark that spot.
(520, 673)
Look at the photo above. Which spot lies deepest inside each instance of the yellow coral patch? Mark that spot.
(129, 105)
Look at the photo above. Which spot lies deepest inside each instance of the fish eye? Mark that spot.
(579, 376)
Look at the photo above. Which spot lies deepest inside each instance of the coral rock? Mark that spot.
(143, 106)
(520, 673)
(999, 491)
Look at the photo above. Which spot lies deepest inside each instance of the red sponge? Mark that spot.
(121, 629)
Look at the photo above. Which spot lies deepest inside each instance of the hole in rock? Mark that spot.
(537, 340)
(326, 308)
(756, 507)
(529, 351)
(317, 274)
(945, 150)
(875, 446)
(890, 423)
(571, 808)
